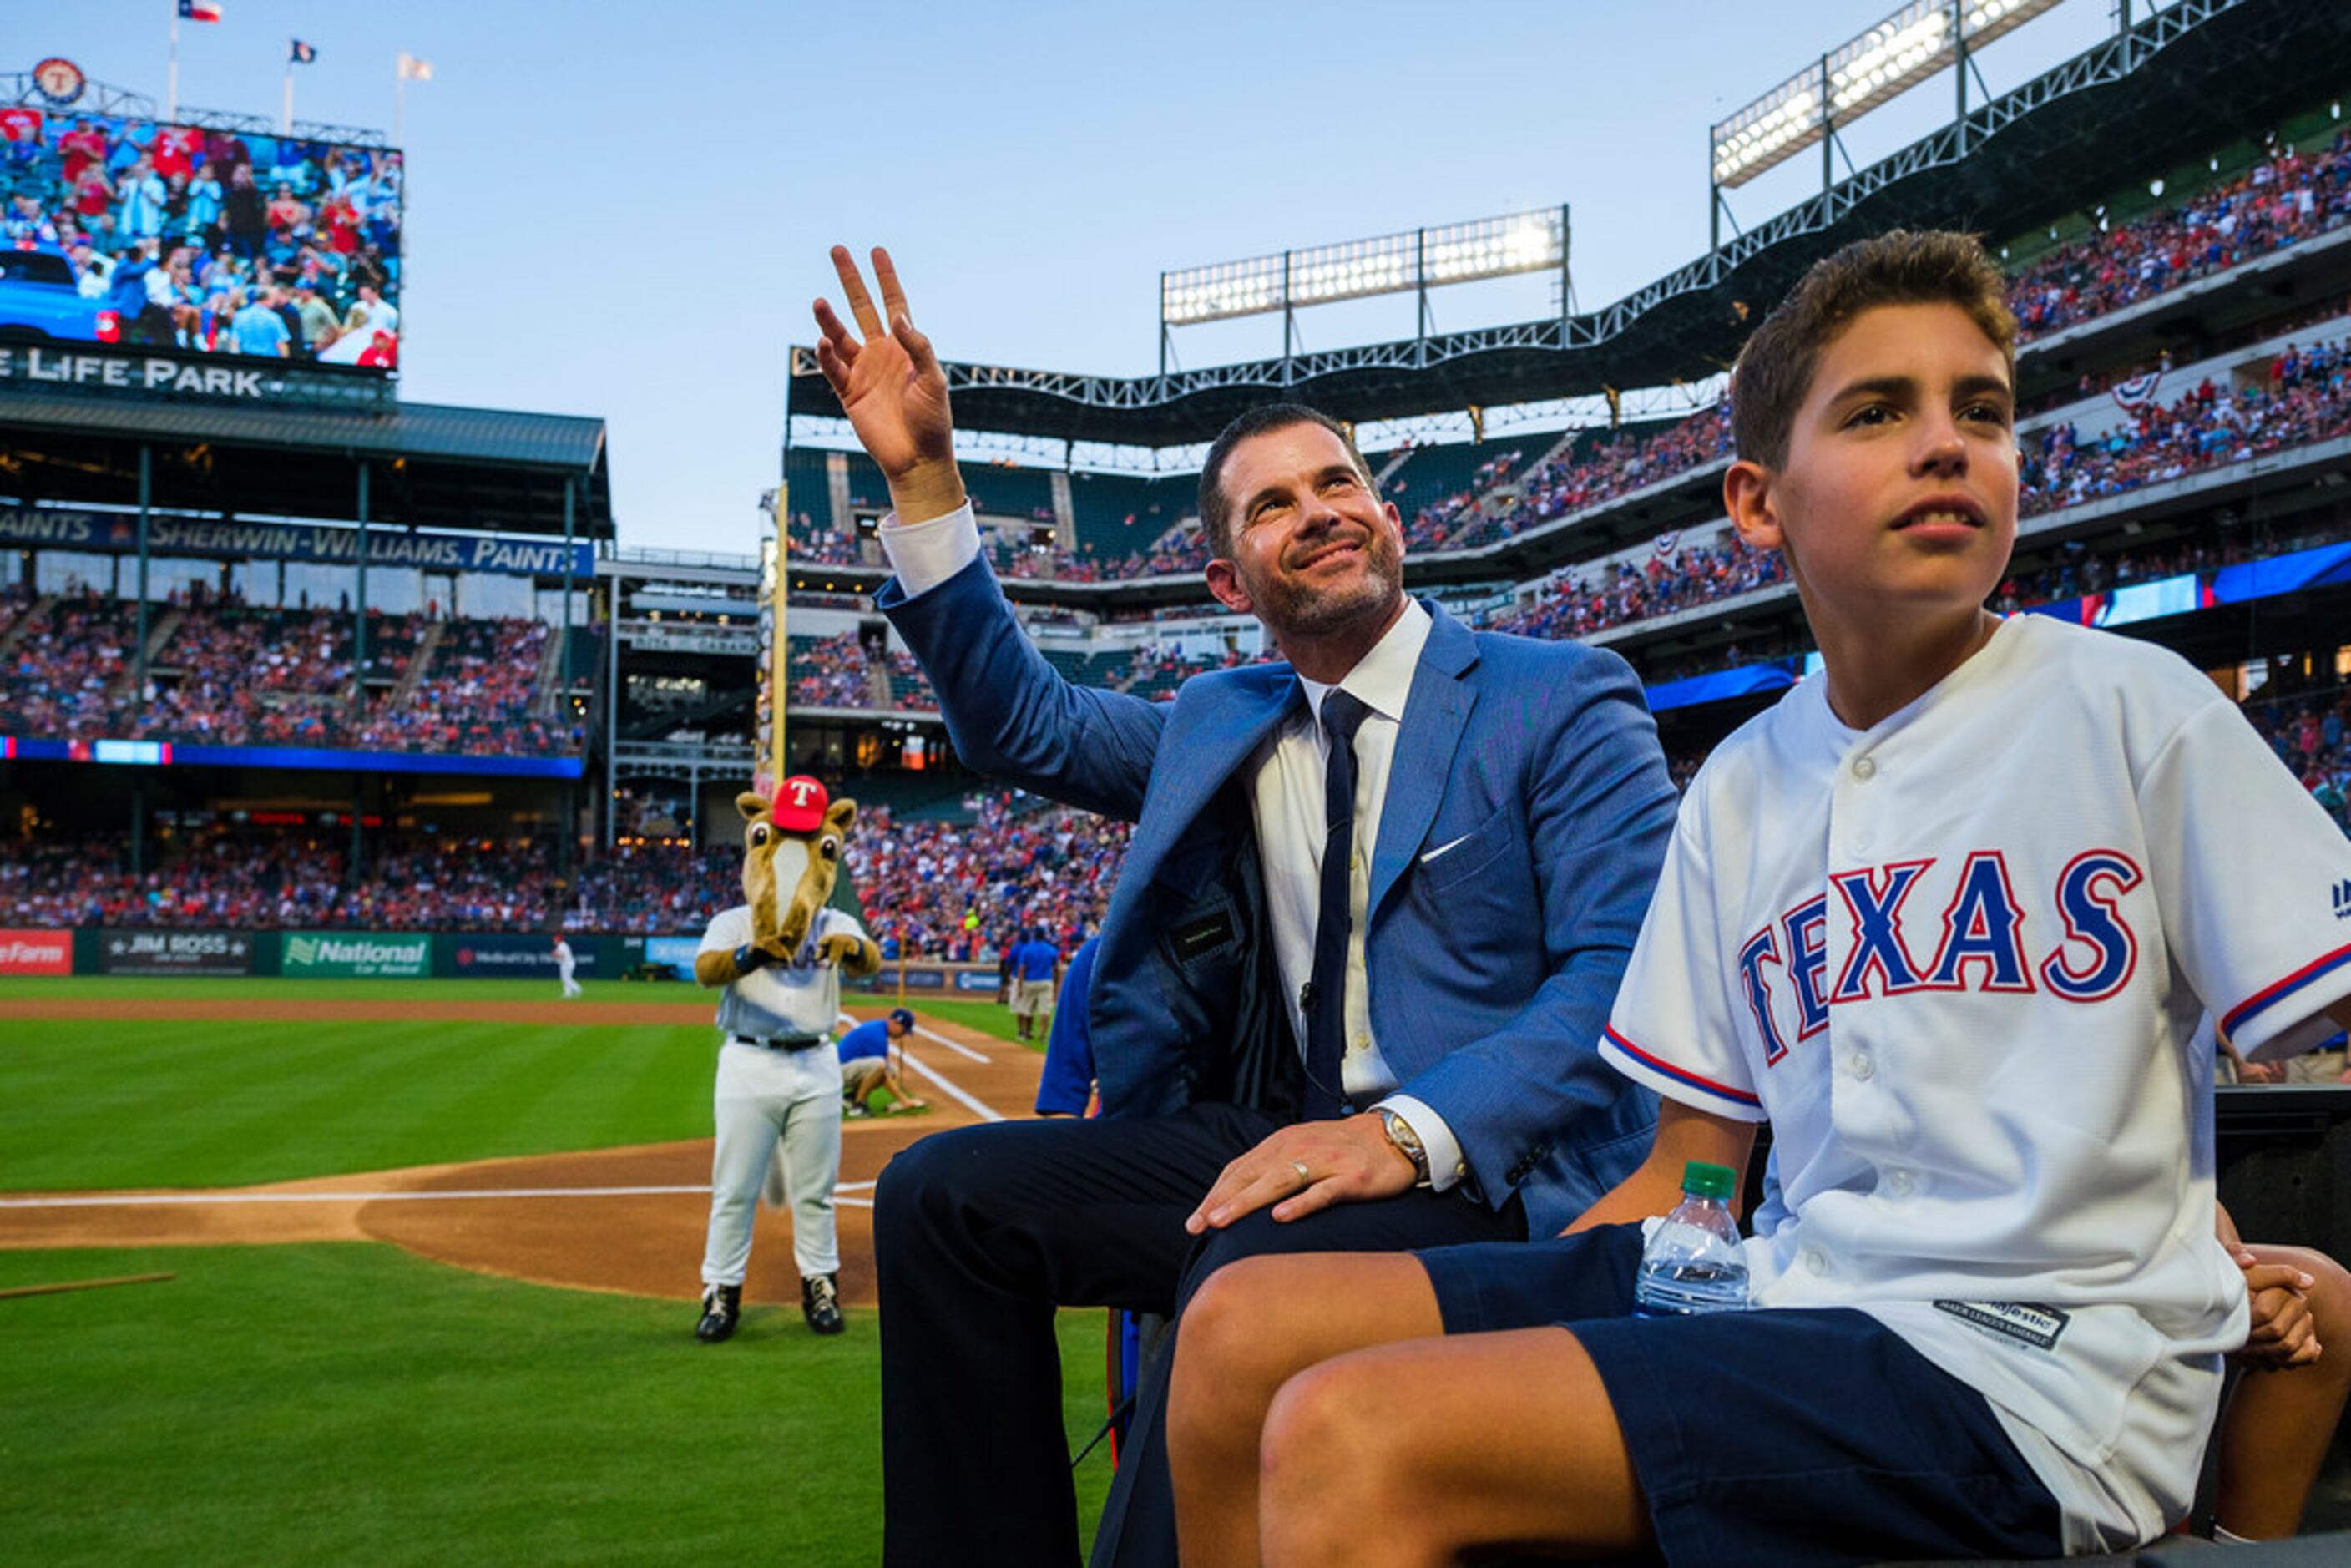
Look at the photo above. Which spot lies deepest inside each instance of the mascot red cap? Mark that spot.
(798, 804)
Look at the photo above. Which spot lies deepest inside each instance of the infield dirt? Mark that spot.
(572, 1220)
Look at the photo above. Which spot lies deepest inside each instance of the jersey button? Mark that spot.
(1865, 768)
(1898, 1183)
(1816, 1261)
(1861, 1065)
(1862, 844)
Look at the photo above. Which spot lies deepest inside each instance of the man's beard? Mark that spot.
(1314, 610)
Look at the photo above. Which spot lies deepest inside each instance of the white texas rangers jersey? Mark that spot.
(802, 996)
(1958, 961)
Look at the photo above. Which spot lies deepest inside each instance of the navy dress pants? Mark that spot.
(981, 1232)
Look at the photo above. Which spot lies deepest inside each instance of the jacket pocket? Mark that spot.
(1467, 857)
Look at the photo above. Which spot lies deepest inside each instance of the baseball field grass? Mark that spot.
(350, 1403)
(171, 1102)
(355, 1402)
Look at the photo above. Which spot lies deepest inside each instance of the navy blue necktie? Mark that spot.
(1326, 990)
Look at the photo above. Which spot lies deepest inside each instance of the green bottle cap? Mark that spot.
(1703, 1180)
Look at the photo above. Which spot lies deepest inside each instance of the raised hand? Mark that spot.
(892, 388)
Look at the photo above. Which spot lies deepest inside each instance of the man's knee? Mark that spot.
(917, 1177)
(1257, 1235)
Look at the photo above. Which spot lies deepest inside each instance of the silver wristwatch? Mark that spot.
(1407, 1143)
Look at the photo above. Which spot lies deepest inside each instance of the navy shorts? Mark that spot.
(1791, 1435)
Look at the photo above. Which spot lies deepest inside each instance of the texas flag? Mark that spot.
(200, 10)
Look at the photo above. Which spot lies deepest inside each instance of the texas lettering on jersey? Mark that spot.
(1895, 944)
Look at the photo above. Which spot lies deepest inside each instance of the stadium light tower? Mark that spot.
(1888, 60)
(1413, 262)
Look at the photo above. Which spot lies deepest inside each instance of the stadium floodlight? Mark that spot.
(1897, 54)
(1355, 269)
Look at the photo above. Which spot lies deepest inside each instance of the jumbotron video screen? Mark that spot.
(228, 242)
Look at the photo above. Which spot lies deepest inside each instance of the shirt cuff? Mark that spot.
(1436, 1140)
(923, 555)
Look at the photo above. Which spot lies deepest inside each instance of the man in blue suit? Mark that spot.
(1484, 816)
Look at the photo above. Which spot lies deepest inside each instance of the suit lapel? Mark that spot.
(1204, 749)
(1433, 718)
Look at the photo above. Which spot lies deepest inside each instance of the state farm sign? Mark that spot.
(35, 952)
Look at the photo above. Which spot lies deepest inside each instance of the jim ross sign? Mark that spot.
(104, 370)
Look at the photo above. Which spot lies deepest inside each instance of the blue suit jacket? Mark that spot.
(1528, 773)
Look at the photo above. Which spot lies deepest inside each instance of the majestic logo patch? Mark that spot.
(2343, 899)
(2022, 1321)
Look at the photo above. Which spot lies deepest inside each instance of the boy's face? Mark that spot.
(1899, 487)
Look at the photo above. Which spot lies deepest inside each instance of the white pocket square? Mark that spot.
(1446, 847)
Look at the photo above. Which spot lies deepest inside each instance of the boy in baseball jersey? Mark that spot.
(1948, 918)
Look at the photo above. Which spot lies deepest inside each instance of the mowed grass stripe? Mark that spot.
(352, 1403)
(102, 1105)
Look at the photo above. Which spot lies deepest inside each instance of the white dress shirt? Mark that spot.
(1287, 807)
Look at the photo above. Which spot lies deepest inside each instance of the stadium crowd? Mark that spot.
(2287, 197)
(831, 672)
(214, 241)
(948, 890)
(2303, 395)
(226, 673)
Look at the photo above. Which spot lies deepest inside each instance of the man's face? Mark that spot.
(1899, 492)
(1314, 550)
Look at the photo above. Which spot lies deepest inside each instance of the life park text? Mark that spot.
(154, 374)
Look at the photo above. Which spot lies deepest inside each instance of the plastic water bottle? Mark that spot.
(1692, 1262)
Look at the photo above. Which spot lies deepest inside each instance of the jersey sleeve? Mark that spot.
(1672, 1028)
(729, 929)
(2252, 881)
(831, 922)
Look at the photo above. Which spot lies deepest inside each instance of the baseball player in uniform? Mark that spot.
(564, 963)
(778, 1094)
(1948, 918)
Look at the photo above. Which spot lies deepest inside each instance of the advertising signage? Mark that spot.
(175, 952)
(75, 528)
(501, 957)
(35, 952)
(260, 250)
(357, 954)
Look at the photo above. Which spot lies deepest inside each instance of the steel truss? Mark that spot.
(2116, 60)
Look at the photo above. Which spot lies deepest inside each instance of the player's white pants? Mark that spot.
(571, 986)
(763, 1095)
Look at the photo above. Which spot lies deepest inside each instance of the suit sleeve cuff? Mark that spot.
(1446, 1168)
(925, 555)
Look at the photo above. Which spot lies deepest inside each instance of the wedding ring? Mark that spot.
(1305, 1176)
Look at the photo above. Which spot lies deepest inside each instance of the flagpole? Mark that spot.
(286, 124)
(172, 78)
(399, 104)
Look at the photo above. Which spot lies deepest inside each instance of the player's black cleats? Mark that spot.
(821, 1304)
(721, 1309)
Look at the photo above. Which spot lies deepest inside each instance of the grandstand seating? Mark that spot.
(1002, 490)
(1122, 514)
(232, 675)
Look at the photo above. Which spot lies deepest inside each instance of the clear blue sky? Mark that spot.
(623, 210)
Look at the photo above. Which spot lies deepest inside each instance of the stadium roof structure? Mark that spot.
(2195, 74)
(428, 463)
